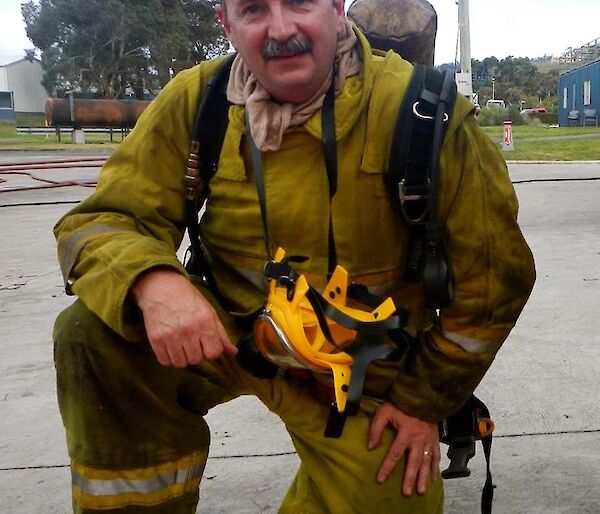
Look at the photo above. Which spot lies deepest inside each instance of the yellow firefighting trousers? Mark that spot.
(138, 441)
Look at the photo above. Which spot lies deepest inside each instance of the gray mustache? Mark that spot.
(295, 45)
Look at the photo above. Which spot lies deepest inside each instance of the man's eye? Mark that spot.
(252, 9)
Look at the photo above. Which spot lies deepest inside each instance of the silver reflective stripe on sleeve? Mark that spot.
(70, 246)
(256, 278)
(96, 487)
(386, 288)
(473, 345)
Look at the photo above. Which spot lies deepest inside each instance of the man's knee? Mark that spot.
(77, 325)
(86, 350)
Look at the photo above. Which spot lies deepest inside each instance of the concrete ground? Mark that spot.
(543, 389)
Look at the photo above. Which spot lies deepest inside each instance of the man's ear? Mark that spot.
(221, 12)
(338, 5)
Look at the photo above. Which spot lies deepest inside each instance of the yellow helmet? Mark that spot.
(300, 328)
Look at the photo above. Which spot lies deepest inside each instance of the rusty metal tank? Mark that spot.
(76, 112)
(408, 27)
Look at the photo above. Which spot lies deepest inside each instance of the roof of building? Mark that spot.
(11, 60)
(580, 67)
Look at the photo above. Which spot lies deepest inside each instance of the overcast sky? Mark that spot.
(521, 28)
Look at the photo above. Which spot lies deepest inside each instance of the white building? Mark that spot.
(21, 89)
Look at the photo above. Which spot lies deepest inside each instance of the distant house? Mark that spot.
(579, 96)
(21, 90)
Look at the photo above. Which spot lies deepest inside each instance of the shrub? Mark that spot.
(30, 119)
(543, 118)
(549, 118)
(490, 116)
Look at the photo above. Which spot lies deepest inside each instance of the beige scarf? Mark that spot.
(269, 119)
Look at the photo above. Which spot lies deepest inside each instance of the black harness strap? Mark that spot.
(260, 187)
(412, 178)
(330, 157)
(328, 132)
(406, 182)
(445, 105)
(330, 154)
(487, 495)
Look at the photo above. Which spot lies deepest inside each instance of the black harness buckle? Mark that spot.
(415, 206)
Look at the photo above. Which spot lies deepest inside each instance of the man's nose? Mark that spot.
(281, 25)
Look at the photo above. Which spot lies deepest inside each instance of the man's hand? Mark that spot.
(182, 326)
(417, 438)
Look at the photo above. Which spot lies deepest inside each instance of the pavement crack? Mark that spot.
(13, 287)
(239, 456)
(25, 468)
(558, 432)
(539, 180)
(30, 204)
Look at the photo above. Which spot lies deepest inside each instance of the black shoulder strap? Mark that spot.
(413, 182)
(418, 136)
(207, 139)
(413, 178)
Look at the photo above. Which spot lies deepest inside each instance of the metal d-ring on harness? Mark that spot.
(369, 344)
(416, 112)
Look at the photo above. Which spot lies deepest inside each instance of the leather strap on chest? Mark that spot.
(205, 148)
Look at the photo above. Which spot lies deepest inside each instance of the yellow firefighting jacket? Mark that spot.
(135, 221)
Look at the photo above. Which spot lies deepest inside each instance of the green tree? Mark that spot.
(515, 79)
(109, 45)
(548, 84)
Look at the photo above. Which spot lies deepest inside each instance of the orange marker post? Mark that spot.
(507, 139)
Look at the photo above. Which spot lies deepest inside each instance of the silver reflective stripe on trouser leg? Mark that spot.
(112, 489)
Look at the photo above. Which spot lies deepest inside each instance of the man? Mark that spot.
(147, 349)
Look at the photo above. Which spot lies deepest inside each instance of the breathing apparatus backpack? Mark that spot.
(412, 180)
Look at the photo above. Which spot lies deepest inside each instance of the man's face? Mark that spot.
(289, 45)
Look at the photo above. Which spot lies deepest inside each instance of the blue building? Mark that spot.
(579, 96)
